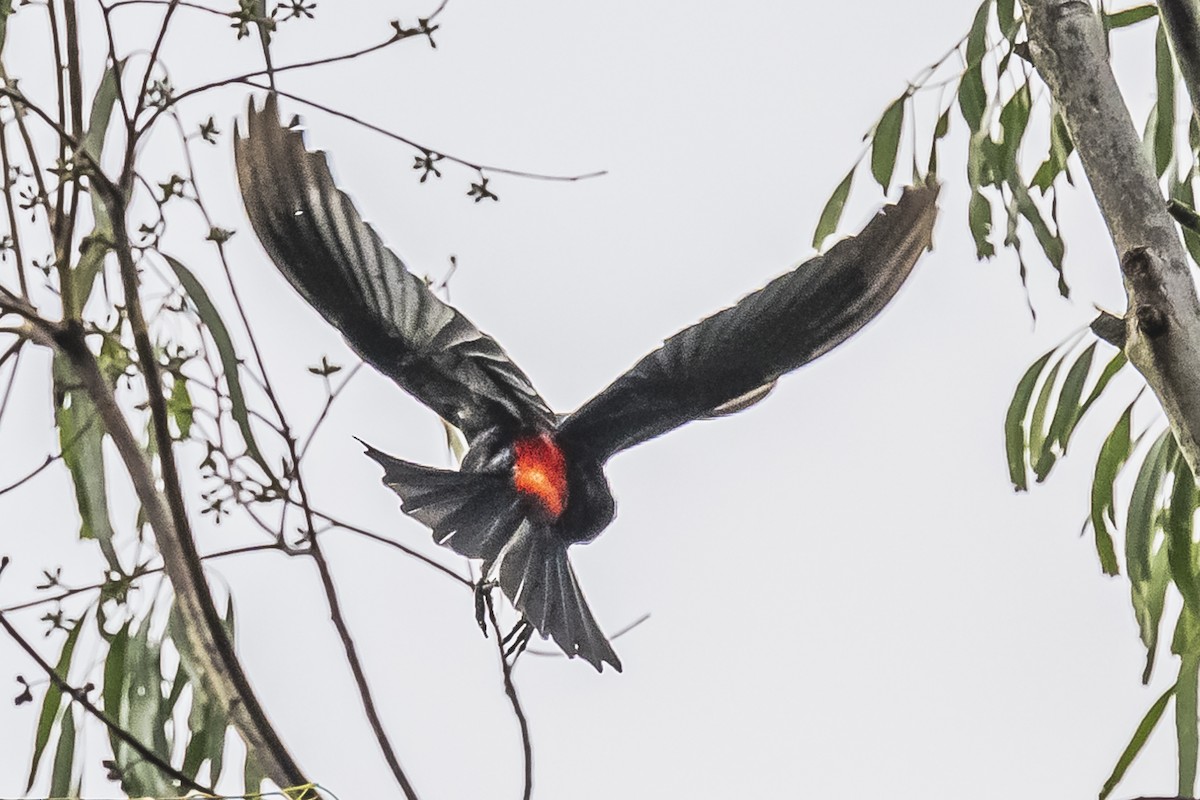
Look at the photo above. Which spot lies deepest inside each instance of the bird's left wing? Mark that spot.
(338, 263)
(731, 359)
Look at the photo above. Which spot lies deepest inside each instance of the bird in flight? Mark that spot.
(532, 482)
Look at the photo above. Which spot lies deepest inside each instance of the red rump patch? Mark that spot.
(541, 472)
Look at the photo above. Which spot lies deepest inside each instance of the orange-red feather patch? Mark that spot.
(540, 471)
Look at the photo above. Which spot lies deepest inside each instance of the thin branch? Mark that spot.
(32, 474)
(332, 396)
(510, 689)
(12, 382)
(417, 146)
(80, 697)
(141, 98)
(193, 6)
(346, 526)
(6, 165)
(137, 573)
(360, 677)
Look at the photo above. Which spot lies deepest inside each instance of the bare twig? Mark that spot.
(510, 689)
(137, 573)
(360, 677)
(17, 484)
(346, 526)
(5, 177)
(417, 146)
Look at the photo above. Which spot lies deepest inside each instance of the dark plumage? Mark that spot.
(532, 483)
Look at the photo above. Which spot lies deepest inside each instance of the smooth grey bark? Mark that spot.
(1069, 49)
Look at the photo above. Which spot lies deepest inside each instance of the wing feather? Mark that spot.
(736, 354)
(338, 263)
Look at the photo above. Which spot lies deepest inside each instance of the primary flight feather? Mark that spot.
(532, 483)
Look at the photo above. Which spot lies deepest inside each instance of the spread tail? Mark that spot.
(480, 515)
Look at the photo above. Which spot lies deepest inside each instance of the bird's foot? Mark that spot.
(517, 639)
(482, 591)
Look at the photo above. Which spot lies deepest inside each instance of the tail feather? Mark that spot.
(536, 576)
(479, 515)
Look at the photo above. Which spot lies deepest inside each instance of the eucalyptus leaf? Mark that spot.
(64, 756)
(229, 361)
(52, 702)
(832, 213)
(81, 440)
(1187, 711)
(1113, 454)
(886, 143)
(1038, 432)
(1144, 729)
(1130, 16)
(1164, 124)
(1014, 423)
(1179, 535)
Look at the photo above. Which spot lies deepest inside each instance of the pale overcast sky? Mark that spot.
(846, 597)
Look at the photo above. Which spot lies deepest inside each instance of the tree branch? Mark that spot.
(360, 677)
(219, 664)
(1163, 324)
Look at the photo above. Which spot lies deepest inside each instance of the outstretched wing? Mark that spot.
(731, 359)
(389, 316)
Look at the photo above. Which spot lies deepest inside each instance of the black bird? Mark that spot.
(532, 482)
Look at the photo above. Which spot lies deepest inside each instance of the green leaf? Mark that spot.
(64, 757)
(1179, 534)
(1055, 164)
(229, 360)
(1066, 412)
(1014, 119)
(1006, 16)
(1182, 208)
(832, 213)
(1051, 242)
(1130, 16)
(972, 97)
(207, 721)
(96, 243)
(1186, 716)
(1142, 519)
(1014, 423)
(1038, 432)
(101, 113)
(114, 673)
(886, 143)
(143, 716)
(1113, 454)
(1110, 370)
(179, 406)
(1164, 125)
(1144, 729)
(977, 36)
(939, 133)
(81, 439)
(52, 702)
(979, 220)
(1149, 573)
(252, 775)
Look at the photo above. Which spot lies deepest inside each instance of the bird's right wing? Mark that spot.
(731, 359)
(338, 263)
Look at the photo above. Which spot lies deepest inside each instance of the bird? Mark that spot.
(531, 483)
